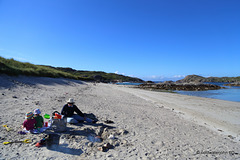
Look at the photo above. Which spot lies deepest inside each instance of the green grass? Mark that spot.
(15, 68)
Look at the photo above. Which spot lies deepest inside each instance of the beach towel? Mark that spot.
(34, 131)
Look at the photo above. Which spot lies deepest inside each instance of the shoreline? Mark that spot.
(155, 122)
(221, 94)
(218, 115)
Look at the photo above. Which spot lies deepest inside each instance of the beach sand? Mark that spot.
(147, 124)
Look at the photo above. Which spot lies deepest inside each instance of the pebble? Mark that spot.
(103, 149)
(108, 145)
(111, 136)
(105, 130)
(104, 135)
(124, 142)
(230, 136)
(90, 144)
(122, 132)
(110, 155)
(116, 144)
(99, 131)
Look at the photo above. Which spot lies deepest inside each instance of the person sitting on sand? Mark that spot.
(68, 111)
(29, 123)
(38, 118)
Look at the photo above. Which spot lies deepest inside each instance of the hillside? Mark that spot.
(196, 78)
(99, 75)
(14, 68)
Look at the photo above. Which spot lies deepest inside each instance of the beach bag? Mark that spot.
(59, 125)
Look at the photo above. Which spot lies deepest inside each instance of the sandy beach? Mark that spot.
(147, 124)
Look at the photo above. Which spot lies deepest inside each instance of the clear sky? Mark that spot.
(148, 39)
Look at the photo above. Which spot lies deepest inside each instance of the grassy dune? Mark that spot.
(14, 68)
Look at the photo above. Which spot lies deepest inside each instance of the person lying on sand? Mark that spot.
(68, 111)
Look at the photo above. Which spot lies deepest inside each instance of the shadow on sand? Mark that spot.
(11, 81)
(53, 140)
(52, 143)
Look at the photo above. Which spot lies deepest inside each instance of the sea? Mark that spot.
(228, 93)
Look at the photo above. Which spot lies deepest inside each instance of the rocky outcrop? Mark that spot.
(196, 79)
(180, 86)
(148, 82)
(192, 78)
(233, 84)
(168, 82)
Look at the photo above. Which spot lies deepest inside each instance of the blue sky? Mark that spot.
(148, 39)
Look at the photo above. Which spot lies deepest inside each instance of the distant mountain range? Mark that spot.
(14, 68)
(196, 78)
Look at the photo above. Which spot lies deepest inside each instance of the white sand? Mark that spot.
(197, 128)
(214, 114)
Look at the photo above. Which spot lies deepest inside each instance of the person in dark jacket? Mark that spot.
(68, 111)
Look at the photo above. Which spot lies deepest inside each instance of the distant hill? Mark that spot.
(99, 75)
(196, 78)
(14, 68)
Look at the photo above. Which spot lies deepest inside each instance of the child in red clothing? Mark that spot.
(30, 122)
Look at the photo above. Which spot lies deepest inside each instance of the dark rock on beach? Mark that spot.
(167, 82)
(180, 86)
(148, 82)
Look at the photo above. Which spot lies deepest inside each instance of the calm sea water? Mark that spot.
(229, 94)
(128, 83)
